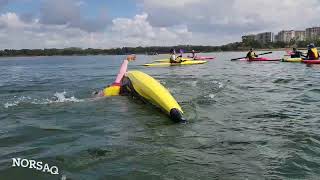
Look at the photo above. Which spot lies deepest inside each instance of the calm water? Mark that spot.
(255, 120)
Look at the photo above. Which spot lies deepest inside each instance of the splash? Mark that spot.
(212, 96)
(58, 97)
(61, 97)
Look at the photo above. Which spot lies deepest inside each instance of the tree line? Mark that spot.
(237, 46)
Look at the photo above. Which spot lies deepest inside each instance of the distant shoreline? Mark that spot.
(118, 51)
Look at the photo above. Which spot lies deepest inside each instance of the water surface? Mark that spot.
(256, 120)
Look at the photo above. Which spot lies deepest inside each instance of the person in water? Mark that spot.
(173, 56)
(312, 53)
(295, 53)
(251, 54)
(115, 88)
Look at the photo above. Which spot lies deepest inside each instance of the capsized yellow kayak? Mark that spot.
(193, 62)
(292, 60)
(168, 60)
(151, 90)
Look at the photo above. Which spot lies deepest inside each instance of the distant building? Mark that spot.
(250, 37)
(313, 33)
(300, 35)
(265, 37)
(287, 36)
(276, 38)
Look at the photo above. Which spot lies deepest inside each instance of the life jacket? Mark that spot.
(173, 57)
(314, 54)
(251, 55)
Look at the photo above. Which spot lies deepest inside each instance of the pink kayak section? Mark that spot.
(260, 59)
(122, 71)
(202, 57)
(289, 53)
(311, 61)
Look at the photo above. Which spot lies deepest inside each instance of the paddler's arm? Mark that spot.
(114, 89)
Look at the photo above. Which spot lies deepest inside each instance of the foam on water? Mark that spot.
(58, 97)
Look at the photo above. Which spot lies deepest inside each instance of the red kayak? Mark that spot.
(311, 61)
(201, 57)
(260, 59)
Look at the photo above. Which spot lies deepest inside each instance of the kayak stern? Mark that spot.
(151, 91)
(176, 115)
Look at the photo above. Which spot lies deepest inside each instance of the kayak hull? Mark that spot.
(192, 62)
(260, 59)
(202, 58)
(168, 60)
(153, 92)
(311, 61)
(293, 60)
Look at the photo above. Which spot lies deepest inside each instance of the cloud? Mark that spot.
(65, 23)
(233, 17)
(138, 31)
(16, 33)
(69, 12)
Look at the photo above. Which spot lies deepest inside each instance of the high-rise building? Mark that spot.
(287, 36)
(300, 35)
(313, 33)
(248, 37)
(265, 37)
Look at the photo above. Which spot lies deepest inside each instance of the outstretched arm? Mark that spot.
(123, 68)
(114, 89)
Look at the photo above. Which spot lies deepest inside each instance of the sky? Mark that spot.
(42, 24)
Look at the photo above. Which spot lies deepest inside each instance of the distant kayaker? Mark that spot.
(173, 56)
(115, 88)
(181, 53)
(295, 53)
(313, 53)
(251, 54)
(193, 52)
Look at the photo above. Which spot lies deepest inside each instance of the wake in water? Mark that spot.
(58, 97)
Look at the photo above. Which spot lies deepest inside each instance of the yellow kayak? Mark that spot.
(292, 60)
(168, 60)
(151, 90)
(193, 62)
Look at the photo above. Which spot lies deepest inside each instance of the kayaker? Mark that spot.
(313, 53)
(193, 52)
(251, 54)
(181, 54)
(295, 53)
(115, 88)
(173, 56)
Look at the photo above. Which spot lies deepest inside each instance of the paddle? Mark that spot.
(245, 57)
